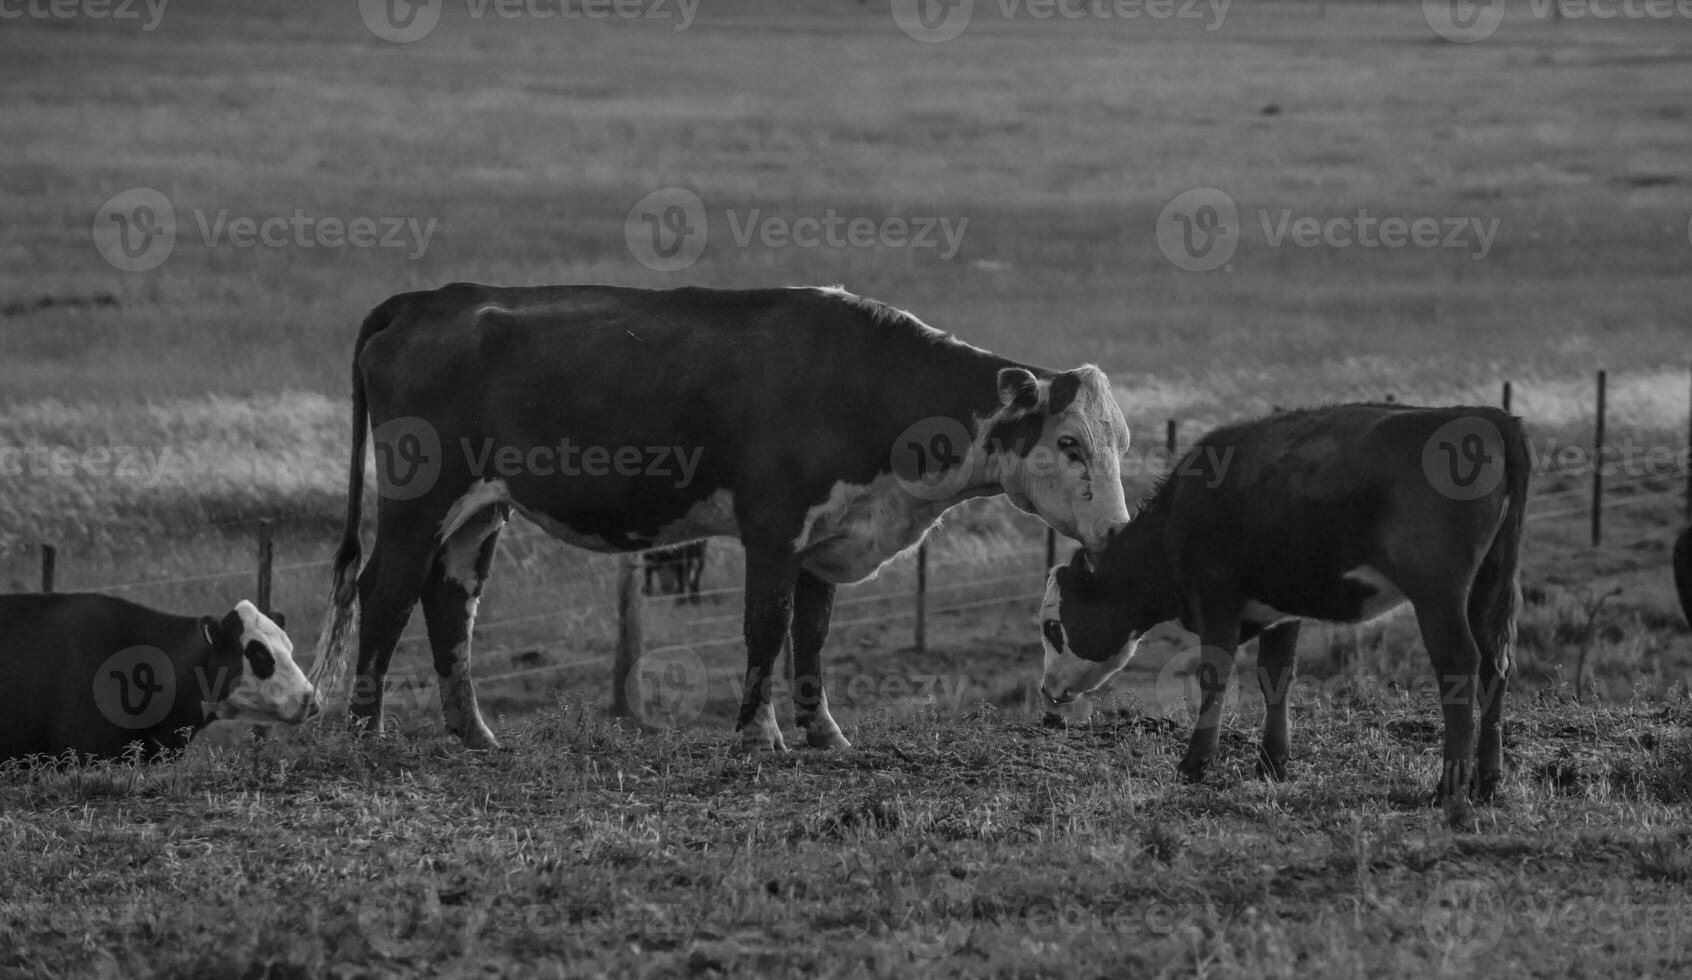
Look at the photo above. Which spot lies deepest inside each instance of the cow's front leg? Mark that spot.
(1219, 636)
(770, 572)
(813, 605)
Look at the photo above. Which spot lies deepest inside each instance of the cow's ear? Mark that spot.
(1019, 389)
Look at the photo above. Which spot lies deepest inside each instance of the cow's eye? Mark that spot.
(1070, 448)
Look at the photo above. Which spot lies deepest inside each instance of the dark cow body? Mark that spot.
(678, 570)
(1335, 514)
(1683, 572)
(770, 415)
(65, 692)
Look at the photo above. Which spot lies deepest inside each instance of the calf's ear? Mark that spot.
(280, 618)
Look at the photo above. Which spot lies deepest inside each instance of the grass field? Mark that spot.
(190, 398)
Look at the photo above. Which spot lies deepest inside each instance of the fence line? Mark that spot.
(1603, 495)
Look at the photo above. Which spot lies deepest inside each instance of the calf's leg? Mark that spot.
(1219, 637)
(1277, 655)
(1456, 663)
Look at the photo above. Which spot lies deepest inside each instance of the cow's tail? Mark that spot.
(1496, 595)
(338, 637)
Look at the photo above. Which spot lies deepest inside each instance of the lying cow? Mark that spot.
(93, 674)
(1336, 514)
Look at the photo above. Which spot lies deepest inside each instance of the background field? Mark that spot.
(528, 141)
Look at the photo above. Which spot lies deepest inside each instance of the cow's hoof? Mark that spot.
(1486, 786)
(757, 740)
(1271, 769)
(1192, 769)
(477, 739)
(827, 738)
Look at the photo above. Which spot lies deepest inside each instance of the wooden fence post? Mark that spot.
(1171, 438)
(266, 555)
(921, 637)
(1051, 549)
(49, 564)
(629, 639)
(1506, 396)
(1598, 469)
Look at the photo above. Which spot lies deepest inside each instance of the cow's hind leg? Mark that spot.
(1277, 655)
(813, 605)
(387, 590)
(1219, 637)
(1456, 661)
(450, 598)
(770, 572)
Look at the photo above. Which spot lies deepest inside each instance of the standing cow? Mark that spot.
(1336, 514)
(92, 674)
(826, 431)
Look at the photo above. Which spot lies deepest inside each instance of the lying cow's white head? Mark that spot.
(1056, 447)
(252, 665)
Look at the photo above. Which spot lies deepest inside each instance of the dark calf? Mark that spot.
(1337, 514)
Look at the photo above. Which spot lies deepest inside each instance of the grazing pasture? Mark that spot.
(960, 837)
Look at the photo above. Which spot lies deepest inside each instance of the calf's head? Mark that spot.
(1057, 447)
(267, 685)
(1089, 630)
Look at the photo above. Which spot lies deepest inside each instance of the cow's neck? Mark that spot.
(1136, 566)
(962, 382)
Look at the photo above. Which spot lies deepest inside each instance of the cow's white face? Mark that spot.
(270, 686)
(1068, 674)
(1057, 447)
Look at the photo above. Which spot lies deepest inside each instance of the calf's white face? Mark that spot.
(270, 686)
(1067, 674)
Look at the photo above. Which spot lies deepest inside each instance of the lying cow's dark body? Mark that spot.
(779, 412)
(678, 570)
(1683, 572)
(1335, 514)
(64, 692)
